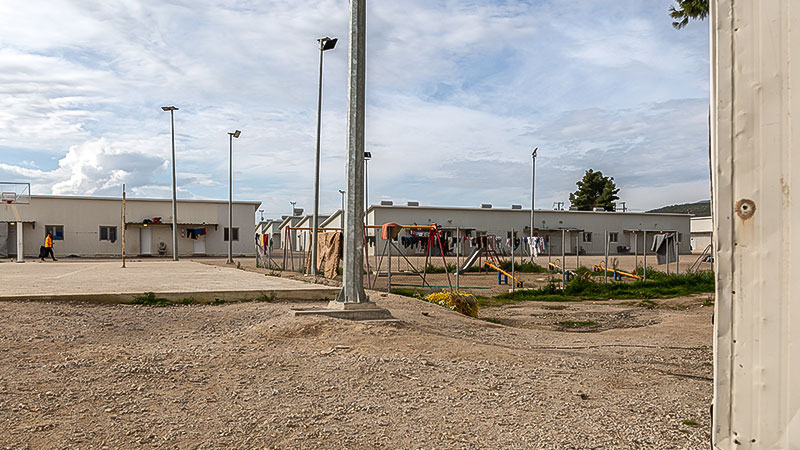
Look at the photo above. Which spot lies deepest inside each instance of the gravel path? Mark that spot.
(249, 375)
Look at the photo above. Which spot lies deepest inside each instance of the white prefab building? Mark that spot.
(583, 231)
(92, 227)
(272, 229)
(701, 233)
(286, 226)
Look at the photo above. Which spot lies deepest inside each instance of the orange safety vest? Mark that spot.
(48, 242)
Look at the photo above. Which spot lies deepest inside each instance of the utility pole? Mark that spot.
(235, 134)
(533, 202)
(325, 43)
(172, 110)
(353, 269)
(123, 226)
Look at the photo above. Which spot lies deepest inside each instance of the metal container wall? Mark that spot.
(755, 133)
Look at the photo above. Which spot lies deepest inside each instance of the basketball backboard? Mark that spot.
(15, 193)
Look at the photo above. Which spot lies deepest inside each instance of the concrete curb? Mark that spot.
(200, 297)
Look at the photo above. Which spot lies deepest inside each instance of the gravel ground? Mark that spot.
(250, 375)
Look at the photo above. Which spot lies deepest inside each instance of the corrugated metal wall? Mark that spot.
(755, 90)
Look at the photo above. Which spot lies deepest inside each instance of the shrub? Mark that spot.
(150, 299)
(460, 301)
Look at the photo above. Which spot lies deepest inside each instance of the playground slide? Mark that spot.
(471, 260)
(519, 282)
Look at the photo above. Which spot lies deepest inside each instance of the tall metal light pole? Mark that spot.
(325, 44)
(172, 110)
(533, 198)
(292, 203)
(353, 269)
(235, 134)
(367, 157)
(342, 191)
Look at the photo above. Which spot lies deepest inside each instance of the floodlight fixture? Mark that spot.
(327, 43)
(236, 134)
(169, 108)
(367, 155)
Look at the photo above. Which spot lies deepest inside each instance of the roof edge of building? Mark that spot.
(472, 208)
(141, 199)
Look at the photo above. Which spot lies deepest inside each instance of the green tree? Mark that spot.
(594, 191)
(686, 10)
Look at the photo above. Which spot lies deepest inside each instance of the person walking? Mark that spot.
(48, 247)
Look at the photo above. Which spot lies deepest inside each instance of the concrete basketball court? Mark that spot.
(107, 281)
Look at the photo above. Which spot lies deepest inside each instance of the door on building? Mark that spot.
(145, 241)
(11, 241)
(200, 245)
(568, 238)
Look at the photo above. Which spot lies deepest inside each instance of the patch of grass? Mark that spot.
(188, 301)
(691, 423)
(646, 303)
(578, 323)
(218, 301)
(407, 292)
(150, 299)
(274, 273)
(663, 286)
(265, 298)
(524, 267)
(709, 301)
(684, 431)
(450, 268)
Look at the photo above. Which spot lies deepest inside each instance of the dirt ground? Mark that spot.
(620, 375)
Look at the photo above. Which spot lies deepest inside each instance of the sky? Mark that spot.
(458, 94)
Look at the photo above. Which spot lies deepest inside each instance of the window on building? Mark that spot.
(108, 234)
(587, 237)
(235, 234)
(613, 237)
(56, 230)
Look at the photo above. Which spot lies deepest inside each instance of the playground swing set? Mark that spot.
(485, 255)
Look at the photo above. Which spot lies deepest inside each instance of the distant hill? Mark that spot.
(699, 209)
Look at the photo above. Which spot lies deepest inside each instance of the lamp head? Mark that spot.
(327, 43)
(236, 134)
(367, 155)
(535, 151)
(169, 108)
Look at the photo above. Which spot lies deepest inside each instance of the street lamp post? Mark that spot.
(342, 191)
(235, 134)
(367, 157)
(172, 110)
(533, 200)
(325, 44)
